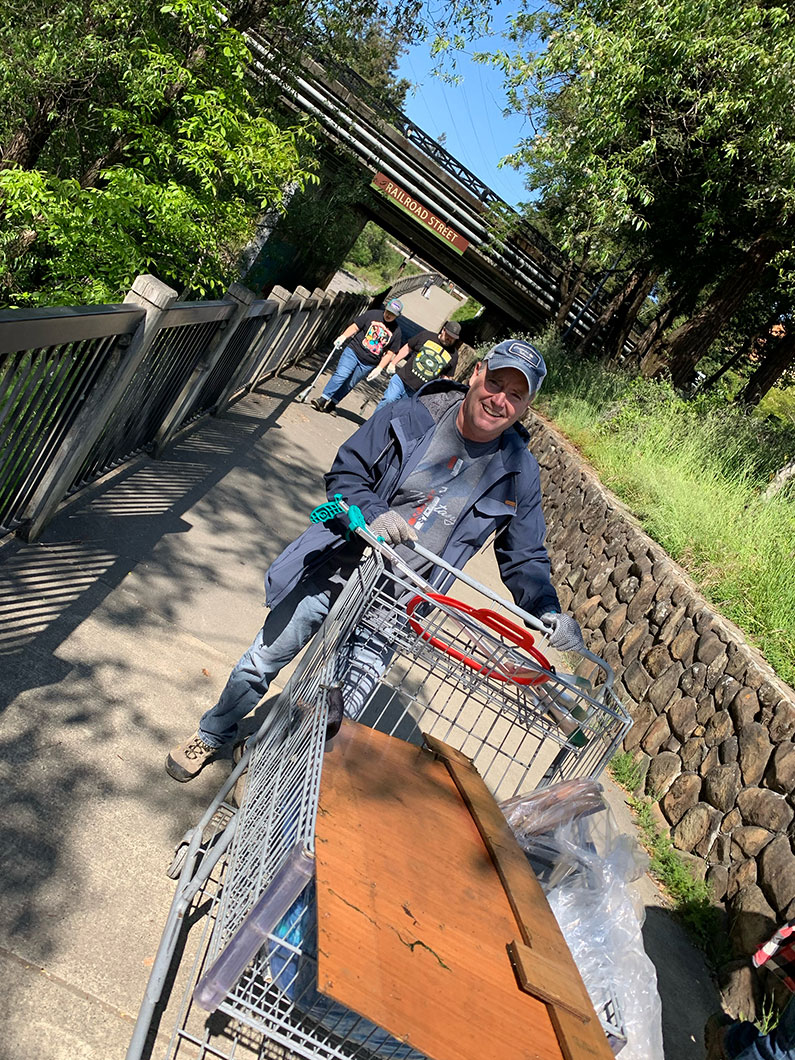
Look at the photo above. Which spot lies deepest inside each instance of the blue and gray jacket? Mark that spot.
(371, 466)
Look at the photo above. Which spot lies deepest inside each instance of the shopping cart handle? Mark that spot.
(338, 507)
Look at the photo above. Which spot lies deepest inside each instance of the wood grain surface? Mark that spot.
(413, 920)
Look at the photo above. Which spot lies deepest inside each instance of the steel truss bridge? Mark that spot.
(518, 274)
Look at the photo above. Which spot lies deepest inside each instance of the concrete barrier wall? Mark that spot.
(713, 724)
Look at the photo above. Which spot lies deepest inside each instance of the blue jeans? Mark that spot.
(288, 627)
(744, 1042)
(350, 371)
(396, 390)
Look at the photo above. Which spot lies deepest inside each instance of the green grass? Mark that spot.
(625, 771)
(694, 474)
(690, 896)
(467, 310)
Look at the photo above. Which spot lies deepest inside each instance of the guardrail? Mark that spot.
(414, 283)
(84, 390)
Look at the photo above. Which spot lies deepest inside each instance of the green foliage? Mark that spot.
(373, 258)
(770, 1015)
(663, 142)
(694, 474)
(662, 122)
(691, 897)
(779, 402)
(625, 771)
(468, 310)
(133, 136)
(134, 141)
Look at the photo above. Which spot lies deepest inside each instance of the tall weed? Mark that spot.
(693, 472)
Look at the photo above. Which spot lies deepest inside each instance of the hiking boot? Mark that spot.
(321, 403)
(187, 760)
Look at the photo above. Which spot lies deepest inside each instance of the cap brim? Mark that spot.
(533, 383)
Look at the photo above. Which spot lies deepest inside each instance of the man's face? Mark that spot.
(494, 402)
(446, 338)
(389, 317)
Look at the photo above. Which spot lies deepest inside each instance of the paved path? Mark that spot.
(429, 312)
(116, 631)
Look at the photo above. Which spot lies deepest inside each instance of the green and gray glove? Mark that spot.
(393, 528)
(565, 634)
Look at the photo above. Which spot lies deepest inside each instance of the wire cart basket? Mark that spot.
(401, 657)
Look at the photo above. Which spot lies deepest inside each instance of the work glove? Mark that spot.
(391, 368)
(564, 633)
(375, 373)
(338, 343)
(393, 528)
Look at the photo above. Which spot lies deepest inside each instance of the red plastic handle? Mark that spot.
(499, 623)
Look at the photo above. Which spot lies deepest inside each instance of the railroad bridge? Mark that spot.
(426, 198)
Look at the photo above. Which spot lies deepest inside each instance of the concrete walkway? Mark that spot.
(117, 630)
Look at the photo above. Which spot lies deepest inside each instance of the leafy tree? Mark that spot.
(664, 128)
(133, 139)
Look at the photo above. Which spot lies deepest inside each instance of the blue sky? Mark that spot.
(469, 113)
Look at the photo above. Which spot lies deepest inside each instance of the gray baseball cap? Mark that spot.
(514, 353)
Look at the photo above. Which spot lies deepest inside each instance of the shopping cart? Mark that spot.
(405, 657)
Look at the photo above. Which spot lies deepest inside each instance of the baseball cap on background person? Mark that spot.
(395, 306)
(453, 328)
(513, 353)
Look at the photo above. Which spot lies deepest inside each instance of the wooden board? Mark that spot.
(413, 921)
(576, 1024)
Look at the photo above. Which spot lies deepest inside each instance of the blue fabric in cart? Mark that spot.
(295, 974)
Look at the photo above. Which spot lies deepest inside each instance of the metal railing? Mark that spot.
(415, 283)
(85, 389)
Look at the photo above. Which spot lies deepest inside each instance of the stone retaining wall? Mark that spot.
(713, 724)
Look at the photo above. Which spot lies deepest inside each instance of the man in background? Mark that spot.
(427, 356)
(363, 344)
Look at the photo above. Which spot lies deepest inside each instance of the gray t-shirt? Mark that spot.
(436, 492)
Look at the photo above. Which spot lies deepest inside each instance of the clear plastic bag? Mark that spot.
(544, 810)
(585, 865)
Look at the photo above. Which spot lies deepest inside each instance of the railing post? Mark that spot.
(242, 298)
(309, 326)
(154, 297)
(317, 329)
(297, 331)
(250, 367)
(293, 322)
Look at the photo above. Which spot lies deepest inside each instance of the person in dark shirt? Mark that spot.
(363, 344)
(428, 355)
(449, 468)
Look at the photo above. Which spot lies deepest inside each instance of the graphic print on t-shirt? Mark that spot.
(376, 338)
(435, 494)
(432, 506)
(431, 359)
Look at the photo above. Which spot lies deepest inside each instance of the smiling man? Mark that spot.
(448, 467)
